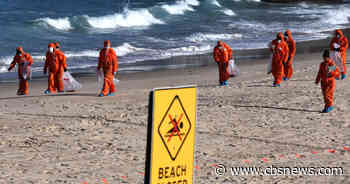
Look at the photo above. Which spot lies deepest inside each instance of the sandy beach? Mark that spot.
(79, 137)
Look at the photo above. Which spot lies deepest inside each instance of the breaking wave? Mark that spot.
(334, 17)
(216, 3)
(128, 18)
(229, 12)
(59, 23)
(180, 7)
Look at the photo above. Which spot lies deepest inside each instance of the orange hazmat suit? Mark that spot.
(221, 57)
(343, 42)
(280, 52)
(229, 50)
(56, 64)
(20, 59)
(108, 61)
(288, 70)
(327, 77)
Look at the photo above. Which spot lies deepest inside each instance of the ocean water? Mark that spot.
(144, 30)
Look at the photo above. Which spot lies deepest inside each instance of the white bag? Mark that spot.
(269, 65)
(233, 70)
(336, 57)
(115, 81)
(69, 83)
(100, 79)
(26, 71)
(335, 45)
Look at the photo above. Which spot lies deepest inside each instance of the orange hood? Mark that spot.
(339, 32)
(280, 35)
(20, 49)
(52, 45)
(289, 34)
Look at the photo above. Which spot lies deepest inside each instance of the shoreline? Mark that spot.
(242, 57)
(190, 61)
(135, 80)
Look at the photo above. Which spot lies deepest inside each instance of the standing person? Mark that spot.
(23, 61)
(327, 73)
(339, 44)
(56, 63)
(280, 52)
(221, 57)
(288, 69)
(108, 61)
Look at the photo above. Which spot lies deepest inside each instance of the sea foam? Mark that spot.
(229, 12)
(180, 7)
(129, 18)
(199, 37)
(216, 3)
(121, 50)
(59, 23)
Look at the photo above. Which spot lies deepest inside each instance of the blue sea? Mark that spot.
(151, 30)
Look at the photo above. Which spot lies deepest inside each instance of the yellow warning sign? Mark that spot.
(173, 129)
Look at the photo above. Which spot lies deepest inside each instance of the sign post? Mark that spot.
(171, 136)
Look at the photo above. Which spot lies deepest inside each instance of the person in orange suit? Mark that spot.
(56, 63)
(327, 73)
(280, 52)
(21, 58)
(108, 61)
(288, 69)
(343, 43)
(229, 50)
(221, 56)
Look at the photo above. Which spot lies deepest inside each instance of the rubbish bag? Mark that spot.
(336, 57)
(69, 83)
(269, 65)
(26, 71)
(100, 79)
(233, 70)
(115, 81)
(335, 45)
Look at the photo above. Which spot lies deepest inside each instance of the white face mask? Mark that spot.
(51, 49)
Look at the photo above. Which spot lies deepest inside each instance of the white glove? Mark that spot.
(335, 45)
